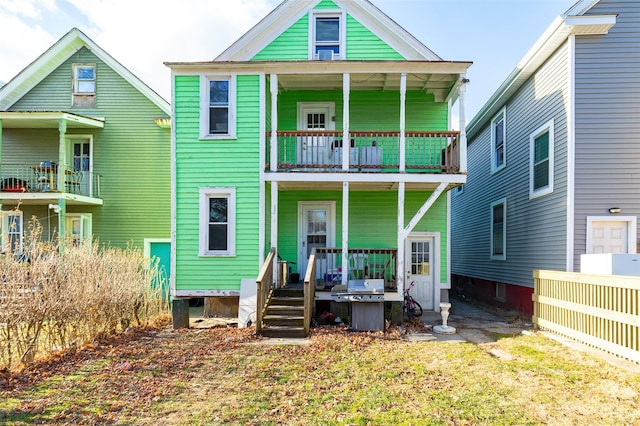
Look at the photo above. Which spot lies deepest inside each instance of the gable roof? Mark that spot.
(290, 11)
(572, 22)
(53, 57)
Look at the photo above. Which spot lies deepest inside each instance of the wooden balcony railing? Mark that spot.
(44, 178)
(363, 263)
(371, 151)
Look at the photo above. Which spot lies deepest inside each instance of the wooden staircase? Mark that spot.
(284, 315)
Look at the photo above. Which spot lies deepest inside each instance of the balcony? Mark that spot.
(40, 182)
(369, 152)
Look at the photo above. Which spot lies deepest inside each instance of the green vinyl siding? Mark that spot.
(131, 153)
(326, 4)
(215, 163)
(372, 219)
(291, 45)
(362, 44)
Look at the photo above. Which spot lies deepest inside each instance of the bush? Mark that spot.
(56, 295)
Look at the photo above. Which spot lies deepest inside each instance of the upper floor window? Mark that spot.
(217, 221)
(498, 141)
(541, 160)
(11, 231)
(218, 108)
(327, 35)
(84, 85)
(499, 229)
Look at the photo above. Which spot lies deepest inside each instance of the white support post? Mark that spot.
(273, 157)
(462, 143)
(401, 239)
(274, 221)
(403, 116)
(345, 231)
(62, 167)
(346, 140)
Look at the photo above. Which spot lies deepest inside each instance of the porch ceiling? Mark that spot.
(439, 85)
(47, 120)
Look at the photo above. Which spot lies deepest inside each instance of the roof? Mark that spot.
(572, 22)
(290, 11)
(53, 57)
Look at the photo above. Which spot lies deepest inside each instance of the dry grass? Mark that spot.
(225, 376)
(56, 296)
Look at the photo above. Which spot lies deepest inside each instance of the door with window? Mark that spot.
(316, 230)
(421, 269)
(78, 228)
(80, 164)
(314, 150)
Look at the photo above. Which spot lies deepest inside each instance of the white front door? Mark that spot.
(609, 237)
(80, 162)
(316, 229)
(314, 150)
(421, 269)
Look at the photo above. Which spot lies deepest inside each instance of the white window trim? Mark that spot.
(329, 13)
(632, 230)
(4, 229)
(74, 79)
(495, 168)
(546, 127)
(217, 192)
(204, 106)
(502, 256)
(84, 217)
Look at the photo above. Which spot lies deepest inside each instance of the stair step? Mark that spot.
(288, 301)
(283, 331)
(288, 292)
(283, 321)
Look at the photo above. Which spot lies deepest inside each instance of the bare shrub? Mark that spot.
(57, 295)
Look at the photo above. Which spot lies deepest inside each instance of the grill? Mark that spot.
(366, 298)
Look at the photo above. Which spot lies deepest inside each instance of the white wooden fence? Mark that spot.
(599, 310)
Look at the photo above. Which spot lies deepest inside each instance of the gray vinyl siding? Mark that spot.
(535, 228)
(607, 119)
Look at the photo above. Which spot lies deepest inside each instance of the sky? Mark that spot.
(142, 34)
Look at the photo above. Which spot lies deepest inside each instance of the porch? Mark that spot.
(369, 151)
(43, 178)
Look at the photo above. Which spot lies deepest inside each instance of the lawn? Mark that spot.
(226, 376)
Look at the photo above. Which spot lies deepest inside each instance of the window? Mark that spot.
(326, 35)
(501, 292)
(541, 161)
(459, 189)
(498, 230)
(12, 231)
(218, 109)
(498, 139)
(217, 221)
(78, 228)
(84, 79)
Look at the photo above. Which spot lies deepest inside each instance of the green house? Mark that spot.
(317, 148)
(85, 148)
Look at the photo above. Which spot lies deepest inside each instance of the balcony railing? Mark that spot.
(373, 151)
(43, 178)
(363, 263)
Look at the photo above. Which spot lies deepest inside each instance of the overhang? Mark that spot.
(47, 120)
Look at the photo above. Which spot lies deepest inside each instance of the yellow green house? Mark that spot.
(318, 144)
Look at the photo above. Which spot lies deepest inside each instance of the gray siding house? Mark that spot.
(553, 158)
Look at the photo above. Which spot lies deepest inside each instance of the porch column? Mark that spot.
(274, 221)
(345, 230)
(62, 167)
(403, 113)
(402, 273)
(346, 141)
(462, 143)
(273, 155)
(0, 141)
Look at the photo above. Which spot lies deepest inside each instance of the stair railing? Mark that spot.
(264, 287)
(309, 290)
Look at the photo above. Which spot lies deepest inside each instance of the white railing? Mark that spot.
(43, 177)
(599, 310)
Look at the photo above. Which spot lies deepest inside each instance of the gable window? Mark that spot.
(326, 35)
(84, 85)
(541, 160)
(498, 140)
(11, 231)
(218, 107)
(217, 221)
(499, 229)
